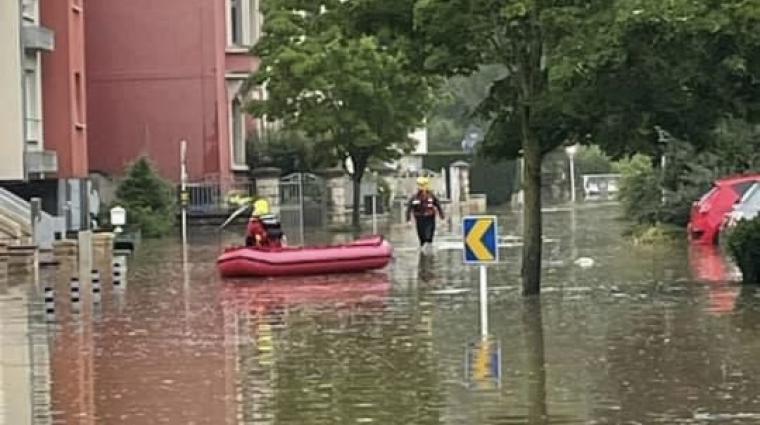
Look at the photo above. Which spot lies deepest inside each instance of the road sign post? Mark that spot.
(481, 247)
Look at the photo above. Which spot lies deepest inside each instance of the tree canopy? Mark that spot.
(350, 92)
(352, 73)
(611, 71)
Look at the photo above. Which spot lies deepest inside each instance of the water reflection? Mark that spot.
(627, 341)
(426, 268)
(368, 360)
(710, 266)
(533, 328)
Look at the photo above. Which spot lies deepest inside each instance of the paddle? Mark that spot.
(244, 203)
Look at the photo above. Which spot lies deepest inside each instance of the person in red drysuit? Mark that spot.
(264, 230)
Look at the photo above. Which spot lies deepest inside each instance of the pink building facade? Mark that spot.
(159, 72)
(63, 86)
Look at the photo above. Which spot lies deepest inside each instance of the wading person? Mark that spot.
(264, 229)
(425, 206)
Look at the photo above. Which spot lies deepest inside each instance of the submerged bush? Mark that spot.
(744, 246)
(689, 173)
(148, 199)
(639, 189)
(653, 234)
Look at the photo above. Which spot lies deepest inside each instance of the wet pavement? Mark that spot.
(644, 335)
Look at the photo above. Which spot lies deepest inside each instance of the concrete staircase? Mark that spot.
(16, 223)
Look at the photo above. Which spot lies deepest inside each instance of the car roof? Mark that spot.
(737, 179)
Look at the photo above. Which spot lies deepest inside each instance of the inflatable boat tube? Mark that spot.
(361, 255)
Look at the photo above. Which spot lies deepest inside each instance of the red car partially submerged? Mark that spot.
(708, 213)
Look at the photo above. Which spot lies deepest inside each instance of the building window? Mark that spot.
(236, 22)
(237, 135)
(244, 22)
(32, 102)
(78, 99)
(30, 11)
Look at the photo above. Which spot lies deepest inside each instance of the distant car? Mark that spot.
(747, 208)
(708, 214)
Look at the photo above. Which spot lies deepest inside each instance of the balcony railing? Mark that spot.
(41, 162)
(37, 37)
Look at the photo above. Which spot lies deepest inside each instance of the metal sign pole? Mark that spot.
(572, 179)
(484, 301)
(374, 214)
(183, 194)
(301, 206)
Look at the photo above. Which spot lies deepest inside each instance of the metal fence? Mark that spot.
(303, 201)
(211, 198)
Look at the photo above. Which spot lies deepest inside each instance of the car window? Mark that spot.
(706, 197)
(751, 200)
(741, 188)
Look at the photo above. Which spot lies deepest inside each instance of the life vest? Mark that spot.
(423, 204)
(272, 226)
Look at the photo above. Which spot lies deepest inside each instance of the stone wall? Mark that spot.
(337, 196)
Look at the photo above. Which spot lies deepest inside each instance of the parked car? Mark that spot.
(747, 208)
(708, 214)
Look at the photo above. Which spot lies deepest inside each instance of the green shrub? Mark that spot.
(653, 234)
(639, 189)
(744, 246)
(689, 173)
(148, 199)
(591, 160)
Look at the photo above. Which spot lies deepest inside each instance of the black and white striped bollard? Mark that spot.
(117, 274)
(49, 299)
(96, 287)
(76, 295)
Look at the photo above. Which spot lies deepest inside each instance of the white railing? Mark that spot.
(21, 212)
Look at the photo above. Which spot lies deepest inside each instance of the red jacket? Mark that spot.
(257, 232)
(423, 204)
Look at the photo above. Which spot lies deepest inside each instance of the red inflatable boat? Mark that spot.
(364, 254)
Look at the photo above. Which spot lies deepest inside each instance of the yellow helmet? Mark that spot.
(423, 182)
(260, 207)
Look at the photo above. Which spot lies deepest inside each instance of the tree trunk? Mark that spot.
(531, 261)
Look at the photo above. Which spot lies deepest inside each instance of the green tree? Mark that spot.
(611, 70)
(680, 65)
(530, 108)
(291, 151)
(148, 199)
(353, 94)
(457, 100)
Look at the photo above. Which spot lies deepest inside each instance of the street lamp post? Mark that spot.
(571, 151)
(663, 138)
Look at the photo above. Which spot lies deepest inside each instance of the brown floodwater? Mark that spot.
(644, 335)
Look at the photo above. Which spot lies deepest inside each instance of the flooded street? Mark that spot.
(645, 335)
